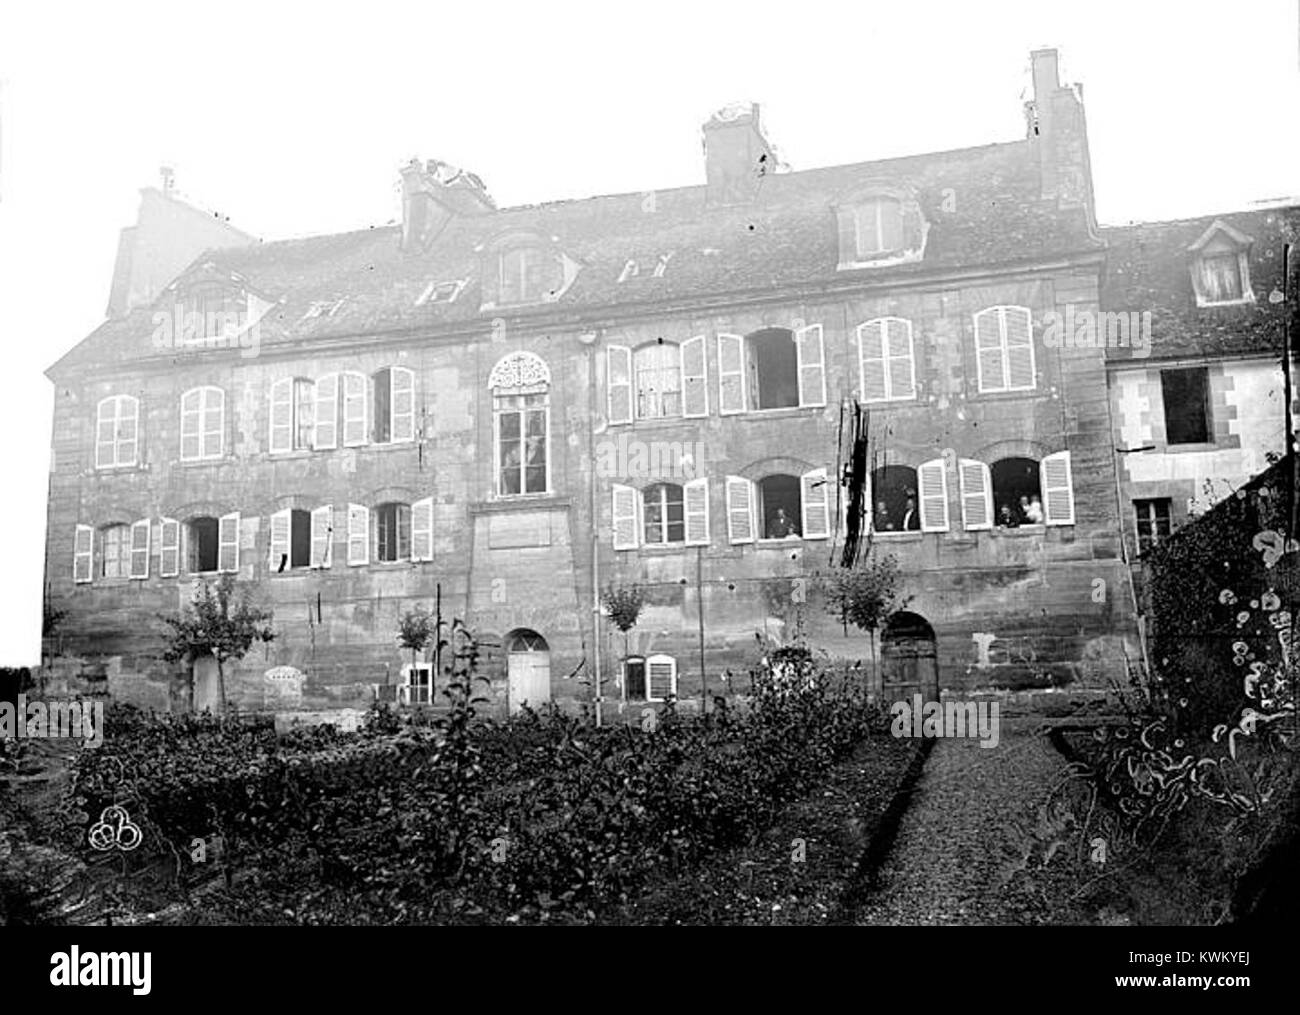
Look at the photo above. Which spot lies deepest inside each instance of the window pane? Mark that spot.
(1186, 405)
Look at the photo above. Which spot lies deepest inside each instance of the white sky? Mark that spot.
(292, 119)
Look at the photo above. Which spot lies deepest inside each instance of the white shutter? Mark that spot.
(358, 535)
(696, 497)
(811, 357)
(901, 366)
(695, 378)
(731, 374)
(83, 554)
(976, 495)
(281, 525)
(989, 362)
(228, 543)
(816, 504)
(327, 412)
(169, 551)
(191, 425)
(354, 410)
(740, 510)
(872, 383)
(422, 529)
(933, 481)
(213, 401)
(322, 536)
(1058, 489)
(618, 383)
(1018, 328)
(401, 404)
(869, 505)
(625, 517)
(281, 438)
(661, 678)
(140, 548)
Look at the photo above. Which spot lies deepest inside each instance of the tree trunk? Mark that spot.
(221, 686)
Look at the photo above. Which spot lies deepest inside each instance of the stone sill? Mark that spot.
(529, 502)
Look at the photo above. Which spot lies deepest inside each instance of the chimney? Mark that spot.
(736, 154)
(1058, 131)
(434, 192)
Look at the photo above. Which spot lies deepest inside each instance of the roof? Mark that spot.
(984, 206)
(1148, 268)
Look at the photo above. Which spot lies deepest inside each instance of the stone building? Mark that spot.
(506, 410)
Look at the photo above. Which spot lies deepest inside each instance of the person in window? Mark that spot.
(1032, 510)
(1007, 518)
(883, 521)
(911, 520)
(782, 526)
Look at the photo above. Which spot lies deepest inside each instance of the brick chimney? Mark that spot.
(1058, 130)
(431, 194)
(736, 154)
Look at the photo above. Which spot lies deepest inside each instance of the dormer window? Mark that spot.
(1220, 266)
(523, 275)
(878, 228)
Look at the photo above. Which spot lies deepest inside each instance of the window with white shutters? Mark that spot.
(327, 413)
(886, 368)
(402, 403)
(228, 544)
(661, 678)
(695, 378)
(169, 548)
(203, 424)
(663, 514)
(816, 504)
(392, 524)
(810, 357)
(281, 525)
(731, 374)
(115, 551)
(281, 416)
(358, 535)
(422, 529)
(740, 510)
(322, 536)
(140, 548)
(625, 522)
(891, 497)
(618, 383)
(976, 495)
(933, 481)
(1004, 349)
(117, 421)
(1058, 489)
(697, 512)
(83, 554)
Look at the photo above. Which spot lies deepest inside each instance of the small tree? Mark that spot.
(415, 630)
(216, 624)
(623, 606)
(865, 596)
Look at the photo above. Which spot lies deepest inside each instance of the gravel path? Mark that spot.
(959, 844)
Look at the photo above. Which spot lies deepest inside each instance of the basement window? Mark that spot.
(1187, 410)
(1153, 521)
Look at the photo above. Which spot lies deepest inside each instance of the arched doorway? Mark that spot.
(528, 669)
(909, 660)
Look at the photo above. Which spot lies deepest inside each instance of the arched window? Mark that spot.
(1017, 493)
(520, 386)
(115, 551)
(664, 512)
(203, 538)
(392, 532)
(780, 506)
(117, 420)
(896, 507)
(291, 539)
(658, 379)
(203, 424)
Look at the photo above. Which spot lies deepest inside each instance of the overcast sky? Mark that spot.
(292, 119)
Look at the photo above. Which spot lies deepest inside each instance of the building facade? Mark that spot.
(506, 411)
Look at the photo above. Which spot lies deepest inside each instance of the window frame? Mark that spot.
(122, 560)
(881, 251)
(886, 359)
(1003, 312)
(1207, 409)
(204, 392)
(118, 418)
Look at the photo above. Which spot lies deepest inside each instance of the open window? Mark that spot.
(780, 507)
(1017, 493)
(392, 532)
(1186, 396)
(773, 368)
(202, 537)
(291, 540)
(394, 405)
(115, 551)
(293, 413)
(896, 508)
(657, 375)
